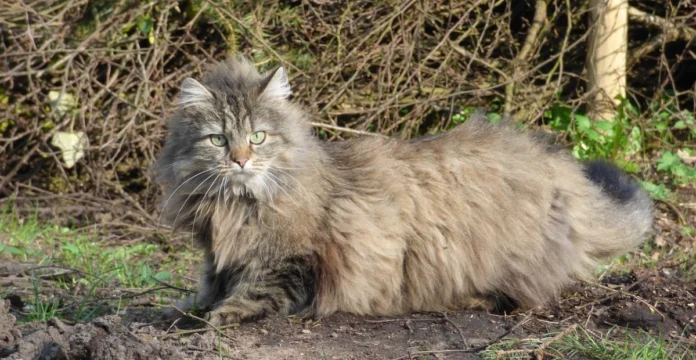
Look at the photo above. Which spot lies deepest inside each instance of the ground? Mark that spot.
(74, 295)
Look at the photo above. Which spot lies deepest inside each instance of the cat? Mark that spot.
(482, 216)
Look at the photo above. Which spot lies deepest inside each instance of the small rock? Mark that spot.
(334, 335)
(305, 331)
(263, 331)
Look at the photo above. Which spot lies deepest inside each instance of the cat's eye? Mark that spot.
(218, 140)
(258, 137)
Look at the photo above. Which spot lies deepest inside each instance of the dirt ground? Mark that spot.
(656, 301)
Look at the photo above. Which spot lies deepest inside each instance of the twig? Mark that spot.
(469, 349)
(6, 179)
(172, 286)
(678, 31)
(679, 213)
(344, 129)
(193, 331)
(503, 335)
(616, 294)
(461, 333)
(529, 41)
(210, 326)
(539, 352)
(622, 292)
(411, 354)
(397, 320)
(670, 32)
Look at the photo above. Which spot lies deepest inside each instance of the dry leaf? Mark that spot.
(660, 241)
(72, 146)
(61, 103)
(686, 158)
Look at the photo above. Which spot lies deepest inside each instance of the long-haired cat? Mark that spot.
(378, 226)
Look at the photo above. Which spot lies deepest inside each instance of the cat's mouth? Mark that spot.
(241, 184)
(240, 177)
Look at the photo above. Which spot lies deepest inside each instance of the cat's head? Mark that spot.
(235, 133)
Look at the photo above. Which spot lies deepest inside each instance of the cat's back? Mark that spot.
(476, 145)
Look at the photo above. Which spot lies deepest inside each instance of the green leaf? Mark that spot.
(163, 276)
(679, 125)
(145, 271)
(72, 248)
(658, 192)
(667, 161)
(679, 171)
(560, 117)
(145, 24)
(593, 135)
(604, 125)
(583, 122)
(494, 117)
(12, 250)
(631, 167)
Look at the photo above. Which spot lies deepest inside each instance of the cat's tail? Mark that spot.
(621, 215)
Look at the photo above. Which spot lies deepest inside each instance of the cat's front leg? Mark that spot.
(205, 296)
(288, 287)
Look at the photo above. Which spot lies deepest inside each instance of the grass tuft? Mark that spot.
(101, 273)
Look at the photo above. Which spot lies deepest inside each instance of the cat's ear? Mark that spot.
(193, 93)
(277, 85)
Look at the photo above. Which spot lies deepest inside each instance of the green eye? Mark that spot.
(218, 140)
(258, 137)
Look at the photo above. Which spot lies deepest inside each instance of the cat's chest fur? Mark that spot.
(245, 231)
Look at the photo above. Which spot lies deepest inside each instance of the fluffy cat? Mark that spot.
(481, 216)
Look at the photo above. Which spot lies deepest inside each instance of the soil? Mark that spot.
(652, 302)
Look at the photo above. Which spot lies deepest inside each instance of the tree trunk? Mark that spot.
(606, 57)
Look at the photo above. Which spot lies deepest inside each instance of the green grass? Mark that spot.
(96, 264)
(583, 342)
(40, 310)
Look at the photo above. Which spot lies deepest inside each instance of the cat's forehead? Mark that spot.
(239, 116)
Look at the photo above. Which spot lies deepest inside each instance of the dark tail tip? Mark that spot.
(613, 181)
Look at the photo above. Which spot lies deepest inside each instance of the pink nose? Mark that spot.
(241, 161)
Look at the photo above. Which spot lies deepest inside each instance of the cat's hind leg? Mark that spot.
(288, 287)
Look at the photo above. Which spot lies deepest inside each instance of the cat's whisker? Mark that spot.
(281, 188)
(270, 199)
(177, 189)
(225, 192)
(290, 187)
(267, 191)
(295, 168)
(219, 191)
(200, 203)
(187, 199)
(295, 179)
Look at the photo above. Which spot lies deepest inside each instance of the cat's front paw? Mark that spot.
(217, 318)
(171, 314)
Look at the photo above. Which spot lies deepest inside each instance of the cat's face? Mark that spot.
(234, 135)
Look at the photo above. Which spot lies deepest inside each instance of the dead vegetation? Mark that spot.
(110, 71)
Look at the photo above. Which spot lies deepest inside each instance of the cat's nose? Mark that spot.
(241, 161)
